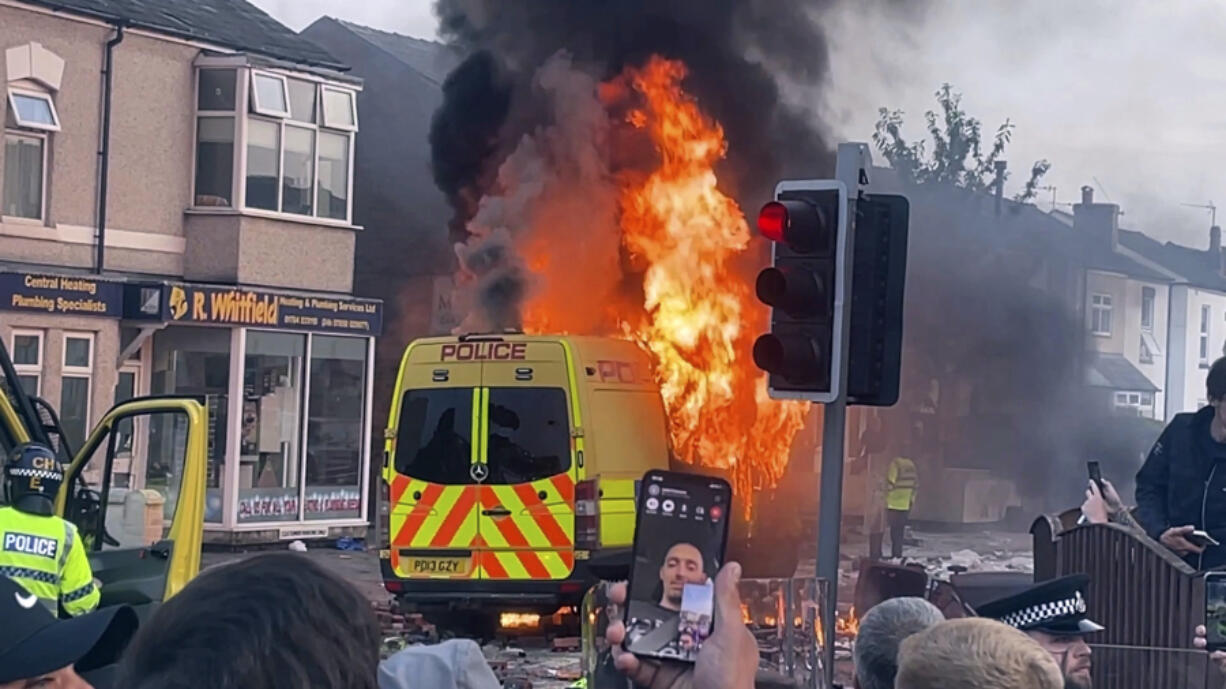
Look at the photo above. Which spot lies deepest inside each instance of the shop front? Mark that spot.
(287, 380)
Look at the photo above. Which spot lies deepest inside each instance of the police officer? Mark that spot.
(1053, 613)
(39, 550)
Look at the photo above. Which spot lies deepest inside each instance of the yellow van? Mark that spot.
(511, 463)
(140, 557)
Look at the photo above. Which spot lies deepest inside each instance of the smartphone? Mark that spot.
(1096, 475)
(680, 538)
(1202, 538)
(1215, 610)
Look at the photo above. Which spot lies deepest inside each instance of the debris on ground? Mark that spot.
(351, 544)
(298, 546)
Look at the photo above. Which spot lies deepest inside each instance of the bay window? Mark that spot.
(295, 132)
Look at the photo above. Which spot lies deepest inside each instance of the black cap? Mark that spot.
(1057, 607)
(33, 642)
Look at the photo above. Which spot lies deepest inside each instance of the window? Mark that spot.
(333, 176)
(1146, 356)
(335, 427)
(214, 161)
(262, 164)
(1100, 314)
(25, 166)
(270, 443)
(33, 110)
(529, 434)
(1147, 307)
(75, 386)
(269, 95)
(339, 110)
(299, 175)
(434, 435)
(1139, 403)
(298, 143)
(28, 359)
(1204, 335)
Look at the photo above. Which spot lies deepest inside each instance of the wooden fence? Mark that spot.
(1149, 600)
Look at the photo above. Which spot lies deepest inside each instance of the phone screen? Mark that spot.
(1215, 610)
(679, 543)
(1096, 474)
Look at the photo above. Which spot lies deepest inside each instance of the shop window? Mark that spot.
(271, 438)
(75, 381)
(298, 141)
(195, 361)
(25, 175)
(126, 387)
(27, 353)
(335, 427)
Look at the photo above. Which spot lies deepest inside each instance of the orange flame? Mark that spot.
(847, 626)
(698, 318)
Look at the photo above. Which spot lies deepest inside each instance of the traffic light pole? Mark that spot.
(852, 168)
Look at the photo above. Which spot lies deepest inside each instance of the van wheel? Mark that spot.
(478, 626)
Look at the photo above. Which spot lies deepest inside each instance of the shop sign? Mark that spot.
(290, 533)
(61, 294)
(258, 308)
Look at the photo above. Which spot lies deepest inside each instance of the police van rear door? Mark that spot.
(430, 454)
(529, 462)
(143, 539)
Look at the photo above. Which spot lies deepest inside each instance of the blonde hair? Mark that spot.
(973, 653)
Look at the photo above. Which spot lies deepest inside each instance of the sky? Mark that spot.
(1129, 98)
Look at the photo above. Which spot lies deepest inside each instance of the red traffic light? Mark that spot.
(773, 221)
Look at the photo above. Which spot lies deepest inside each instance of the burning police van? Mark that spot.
(511, 464)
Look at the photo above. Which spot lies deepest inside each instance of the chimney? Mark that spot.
(1099, 221)
(1000, 167)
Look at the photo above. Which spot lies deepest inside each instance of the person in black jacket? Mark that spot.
(1182, 485)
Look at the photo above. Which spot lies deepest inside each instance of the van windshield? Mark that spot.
(434, 436)
(528, 435)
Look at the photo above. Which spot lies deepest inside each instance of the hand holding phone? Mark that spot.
(680, 538)
(1096, 475)
(1201, 538)
(1215, 610)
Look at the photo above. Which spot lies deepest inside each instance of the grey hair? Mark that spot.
(882, 630)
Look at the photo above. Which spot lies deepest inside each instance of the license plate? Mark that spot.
(449, 566)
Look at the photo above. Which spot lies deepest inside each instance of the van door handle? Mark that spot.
(496, 512)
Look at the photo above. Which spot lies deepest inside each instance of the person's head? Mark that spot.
(973, 653)
(37, 651)
(32, 478)
(1072, 654)
(1215, 384)
(882, 629)
(682, 565)
(1053, 613)
(274, 621)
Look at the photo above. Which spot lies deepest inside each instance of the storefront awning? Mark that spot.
(1114, 372)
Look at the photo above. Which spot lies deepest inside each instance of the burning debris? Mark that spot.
(601, 203)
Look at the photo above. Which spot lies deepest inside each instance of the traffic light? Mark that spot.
(807, 222)
(879, 271)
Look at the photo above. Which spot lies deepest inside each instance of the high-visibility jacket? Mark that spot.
(900, 481)
(45, 555)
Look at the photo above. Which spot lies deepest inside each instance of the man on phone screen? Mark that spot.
(653, 627)
(1181, 488)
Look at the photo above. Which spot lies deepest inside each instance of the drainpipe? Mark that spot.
(104, 149)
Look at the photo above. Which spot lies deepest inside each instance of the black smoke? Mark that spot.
(736, 51)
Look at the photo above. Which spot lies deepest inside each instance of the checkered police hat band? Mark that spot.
(1046, 612)
(27, 472)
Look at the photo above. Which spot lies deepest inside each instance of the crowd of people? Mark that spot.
(281, 621)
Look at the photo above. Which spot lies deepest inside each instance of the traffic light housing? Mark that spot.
(807, 223)
(879, 276)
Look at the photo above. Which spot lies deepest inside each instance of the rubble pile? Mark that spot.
(533, 663)
(400, 630)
